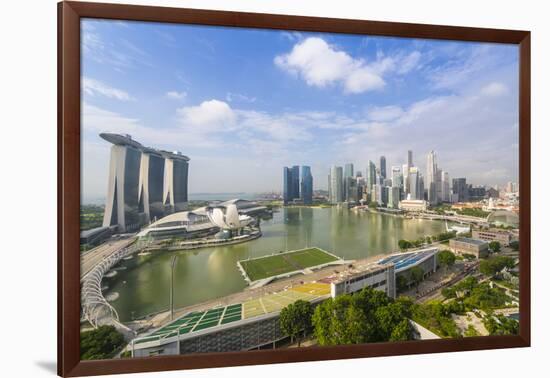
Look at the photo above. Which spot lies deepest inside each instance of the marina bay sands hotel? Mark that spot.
(144, 183)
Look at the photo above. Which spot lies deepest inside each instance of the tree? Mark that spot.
(367, 316)
(401, 282)
(295, 318)
(501, 325)
(514, 245)
(493, 265)
(446, 259)
(402, 331)
(494, 246)
(373, 205)
(404, 244)
(100, 343)
(417, 275)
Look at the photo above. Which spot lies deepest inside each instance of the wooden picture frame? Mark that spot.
(69, 111)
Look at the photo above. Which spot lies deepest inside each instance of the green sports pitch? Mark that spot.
(274, 265)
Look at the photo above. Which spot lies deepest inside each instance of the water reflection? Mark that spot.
(212, 272)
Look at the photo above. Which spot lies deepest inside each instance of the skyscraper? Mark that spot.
(406, 170)
(151, 185)
(291, 183)
(394, 196)
(295, 187)
(460, 189)
(307, 185)
(414, 184)
(143, 183)
(287, 185)
(371, 176)
(396, 177)
(446, 191)
(383, 166)
(348, 177)
(336, 185)
(431, 179)
(175, 181)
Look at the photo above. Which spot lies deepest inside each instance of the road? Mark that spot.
(96, 255)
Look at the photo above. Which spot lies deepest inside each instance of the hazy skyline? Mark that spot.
(243, 103)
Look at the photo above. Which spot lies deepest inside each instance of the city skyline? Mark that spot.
(322, 99)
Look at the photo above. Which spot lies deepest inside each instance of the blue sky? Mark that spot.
(243, 103)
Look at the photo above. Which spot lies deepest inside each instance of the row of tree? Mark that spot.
(406, 244)
(367, 316)
(495, 264)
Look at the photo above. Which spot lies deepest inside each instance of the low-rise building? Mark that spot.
(503, 237)
(468, 246)
(413, 205)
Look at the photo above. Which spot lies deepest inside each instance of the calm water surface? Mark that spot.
(204, 274)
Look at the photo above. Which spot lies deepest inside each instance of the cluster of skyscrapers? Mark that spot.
(388, 188)
(296, 187)
(144, 183)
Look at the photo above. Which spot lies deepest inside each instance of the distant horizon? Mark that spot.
(286, 98)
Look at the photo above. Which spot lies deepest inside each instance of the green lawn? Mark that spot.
(286, 262)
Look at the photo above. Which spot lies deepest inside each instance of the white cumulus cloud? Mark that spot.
(321, 64)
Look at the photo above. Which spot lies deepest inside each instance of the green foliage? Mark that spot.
(495, 264)
(460, 289)
(416, 275)
(473, 212)
(100, 343)
(404, 244)
(401, 282)
(444, 236)
(436, 316)
(295, 318)
(471, 331)
(495, 246)
(446, 259)
(367, 316)
(373, 205)
(514, 245)
(501, 325)
(473, 295)
(91, 216)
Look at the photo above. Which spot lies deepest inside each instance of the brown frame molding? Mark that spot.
(69, 14)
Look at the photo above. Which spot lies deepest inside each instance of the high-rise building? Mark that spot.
(348, 177)
(151, 185)
(295, 182)
(383, 166)
(371, 176)
(175, 181)
(460, 189)
(376, 194)
(348, 170)
(291, 184)
(307, 185)
(431, 178)
(446, 192)
(352, 194)
(396, 177)
(336, 185)
(143, 184)
(414, 184)
(287, 185)
(406, 171)
(394, 196)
